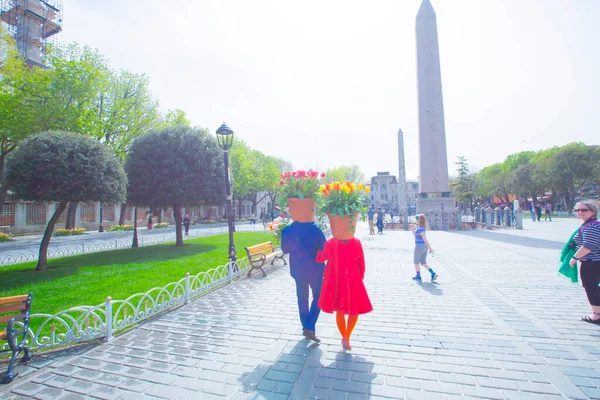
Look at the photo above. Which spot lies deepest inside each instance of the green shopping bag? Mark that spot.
(569, 249)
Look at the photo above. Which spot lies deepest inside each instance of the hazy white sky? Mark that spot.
(329, 82)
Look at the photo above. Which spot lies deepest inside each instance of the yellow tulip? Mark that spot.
(367, 189)
(322, 189)
(361, 186)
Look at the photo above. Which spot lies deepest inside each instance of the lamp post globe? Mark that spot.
(225, 140)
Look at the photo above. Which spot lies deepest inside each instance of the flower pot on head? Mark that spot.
(343, 228)
(304, 210)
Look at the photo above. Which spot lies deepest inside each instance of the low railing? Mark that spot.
(148, 240)
(83, 323)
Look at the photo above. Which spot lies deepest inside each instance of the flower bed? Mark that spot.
(119, 228)
(5, 237)
(69, 232)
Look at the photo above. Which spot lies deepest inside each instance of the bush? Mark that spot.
(161, 225)
(119, 228)
(69, 232)
(5, 237)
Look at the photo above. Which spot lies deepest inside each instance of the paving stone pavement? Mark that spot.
(500, 324)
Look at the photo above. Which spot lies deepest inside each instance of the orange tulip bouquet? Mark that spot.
(343, 202)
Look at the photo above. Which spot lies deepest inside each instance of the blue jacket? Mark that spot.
(302, 241)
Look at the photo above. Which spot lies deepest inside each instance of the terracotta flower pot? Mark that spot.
(302, 210)
(343, 228)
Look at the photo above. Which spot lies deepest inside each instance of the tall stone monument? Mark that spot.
(402, 188)
(433, 161)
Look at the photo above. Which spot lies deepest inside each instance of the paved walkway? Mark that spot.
(501, 324)
(27, 247)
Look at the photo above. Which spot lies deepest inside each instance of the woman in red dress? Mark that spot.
(343, 290)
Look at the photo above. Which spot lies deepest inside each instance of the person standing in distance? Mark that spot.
(370, 218)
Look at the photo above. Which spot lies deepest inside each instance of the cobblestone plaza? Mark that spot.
(500, 323)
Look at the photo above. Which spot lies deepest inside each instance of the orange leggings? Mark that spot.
(346, 328)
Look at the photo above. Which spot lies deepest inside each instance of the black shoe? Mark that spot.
(311, 335)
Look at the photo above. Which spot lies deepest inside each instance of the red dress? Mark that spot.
(343, 289)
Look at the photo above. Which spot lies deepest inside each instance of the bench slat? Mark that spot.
(5, 318)
(13, 299)
(12, 308)
(260, 247)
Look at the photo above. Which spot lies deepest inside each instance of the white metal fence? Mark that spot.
(82, 323)
(149, 240)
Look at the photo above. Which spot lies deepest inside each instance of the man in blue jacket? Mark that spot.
(302, 241)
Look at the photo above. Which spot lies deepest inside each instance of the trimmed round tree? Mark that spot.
(63, 167)
(174, 167)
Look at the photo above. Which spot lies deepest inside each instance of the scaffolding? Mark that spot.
(32, 23)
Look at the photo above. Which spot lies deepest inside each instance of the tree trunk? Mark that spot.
(570, 197)
(71, 214)
(43, 256)
(178, 232)
(122, 214)
(240, 208)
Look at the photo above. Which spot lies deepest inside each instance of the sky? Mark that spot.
(329, 82)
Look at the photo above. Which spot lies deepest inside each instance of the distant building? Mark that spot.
(385, 193)
(32, 23)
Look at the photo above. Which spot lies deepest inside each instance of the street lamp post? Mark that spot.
(134, 243)
(225, 140)
(101, 228)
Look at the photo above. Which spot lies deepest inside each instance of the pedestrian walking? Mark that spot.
(344, 291)
(149, 221)
(538, 212)
(186, 224)
(548, 212)
(302, 241)
(370, 217)
(422, 246)
(380, 216)
(532, 211)
(587, 240)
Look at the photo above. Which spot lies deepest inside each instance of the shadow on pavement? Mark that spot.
(514, 239)
(431, 287)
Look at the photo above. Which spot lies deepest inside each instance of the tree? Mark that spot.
(463, 185)
(572, 167)
(244, 172)
(344, 173)
(174, 117)
(175, 167)
(63, 167)
(18, 117)
(124, 109)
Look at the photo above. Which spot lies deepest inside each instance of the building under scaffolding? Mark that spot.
(32, 23)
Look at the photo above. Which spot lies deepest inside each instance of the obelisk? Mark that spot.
(433, 160)
(402, 188)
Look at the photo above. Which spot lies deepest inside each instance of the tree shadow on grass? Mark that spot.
(513, 239)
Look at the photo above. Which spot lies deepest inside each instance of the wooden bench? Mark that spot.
(259, 254)
(15, 309)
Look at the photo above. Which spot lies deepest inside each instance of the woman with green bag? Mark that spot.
(587, 240)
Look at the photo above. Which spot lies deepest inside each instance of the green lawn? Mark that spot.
(88, 279)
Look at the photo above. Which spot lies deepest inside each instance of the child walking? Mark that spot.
(343, 290)
(421, 247)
